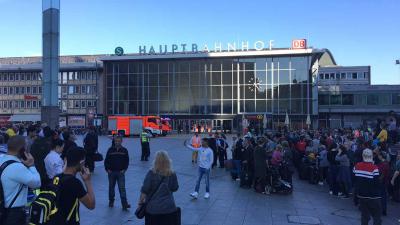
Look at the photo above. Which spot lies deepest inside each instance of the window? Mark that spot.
(16, 90)
(335, 99)
(40, 89)
(89, 75)
(40, 103)
(22, 90)
(11, 77)
(83, 104)
(5, 90)
(22, 104)
(34, 76)
(342, 76)
(5, 77)
(79, 76)
(34, 90)
(396, 99)
(22, 76)
(365, 75)
(77, 89)
(40, 76)
(28, 104)
(337, 76)
(83, 89)
(360, 99)
(354, 75)
(327, 76)
(28, 90)
(11, 90)
(17, 76)
(384, 99)
(77, 104)
(70, 89)
(34, 104)
(321, 76)
(372, 99)
(323, 99)
(83, 75)
(348, 99)
(332, 76)
(89, 103)
(28, 76)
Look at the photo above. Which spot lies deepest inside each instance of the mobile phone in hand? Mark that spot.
(22, 153)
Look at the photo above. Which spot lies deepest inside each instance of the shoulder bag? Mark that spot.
(141, 210)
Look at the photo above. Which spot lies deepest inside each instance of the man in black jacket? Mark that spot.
(212, 143)
(90, 144)
(116, 164)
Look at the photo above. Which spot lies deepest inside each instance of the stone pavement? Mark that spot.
(228, 204)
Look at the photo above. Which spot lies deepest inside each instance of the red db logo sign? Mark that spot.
(299, 44)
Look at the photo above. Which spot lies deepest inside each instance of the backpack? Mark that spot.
(2, 198)
(45, 206)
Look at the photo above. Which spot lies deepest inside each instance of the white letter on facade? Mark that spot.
(142, 50)
(259, 45)
(245, 46)
(271, 43)
(206, 49)
(232, 47)
(217, 48)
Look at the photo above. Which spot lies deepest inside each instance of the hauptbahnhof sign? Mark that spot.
(217, 47)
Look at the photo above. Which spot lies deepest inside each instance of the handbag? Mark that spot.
(97, 157)
(141, 209)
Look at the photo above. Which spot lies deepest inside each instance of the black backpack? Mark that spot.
(3, 208)
(45, 206)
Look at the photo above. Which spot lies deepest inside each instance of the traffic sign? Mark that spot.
(119, 51)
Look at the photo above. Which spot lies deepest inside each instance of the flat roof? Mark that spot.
(38, 66)
(185, 55)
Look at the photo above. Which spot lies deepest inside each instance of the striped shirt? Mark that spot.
(367, 180)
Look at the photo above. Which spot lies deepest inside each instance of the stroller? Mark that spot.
(277, 183)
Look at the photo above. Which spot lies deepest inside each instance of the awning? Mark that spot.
(25, 117)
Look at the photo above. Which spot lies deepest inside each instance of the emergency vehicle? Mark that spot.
(166, 126)
(133, 125)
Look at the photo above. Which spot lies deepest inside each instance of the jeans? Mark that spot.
(384, 198)
(333, 173)
(15, 216)
(119, 178)
(237, 164)
(89, 162)
(370, 208)
(206, 173)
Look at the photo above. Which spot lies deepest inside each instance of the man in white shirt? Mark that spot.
(53, 161)
(19, 174)
(205, 161)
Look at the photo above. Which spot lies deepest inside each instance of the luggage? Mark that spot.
(245, 177)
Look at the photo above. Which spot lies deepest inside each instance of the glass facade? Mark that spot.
(212, 86)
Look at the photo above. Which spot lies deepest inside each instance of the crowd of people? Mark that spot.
(363, 164)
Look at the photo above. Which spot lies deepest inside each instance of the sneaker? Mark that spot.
(321, 183)
(111, 204)
(194, 195)
(237, 179)
(125, 207)
(207, 195)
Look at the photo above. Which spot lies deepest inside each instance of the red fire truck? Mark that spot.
(166, 126)
(133, 125)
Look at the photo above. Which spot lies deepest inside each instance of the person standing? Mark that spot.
(53, 162)
(367, 188)
(17, 174)
(145, 142)
(205, 161)
(221, 146)
(196, 143)
(90, 144)
(116, 164)
(212, 143)
(39, 150)
(159, 185)
(32, 134)
(72, 191)
(260, 165)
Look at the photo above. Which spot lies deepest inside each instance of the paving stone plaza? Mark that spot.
(228, 204)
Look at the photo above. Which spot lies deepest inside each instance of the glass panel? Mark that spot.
(323, 99)
(372, 99)
(227, 78)
(396, 99)
(384, 99)
(348, 99)
(261, 106)
(335, 100)
(227, 107)
(227, 92)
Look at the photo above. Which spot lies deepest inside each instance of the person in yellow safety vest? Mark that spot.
(196, 143)
(145, 141)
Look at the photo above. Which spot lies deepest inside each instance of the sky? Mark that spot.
(357, 32)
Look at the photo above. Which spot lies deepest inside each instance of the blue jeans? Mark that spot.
(333, 173)
(237, 164)
(206, 172)
(119, 178)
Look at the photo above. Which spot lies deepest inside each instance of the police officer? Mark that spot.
(145, 141)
